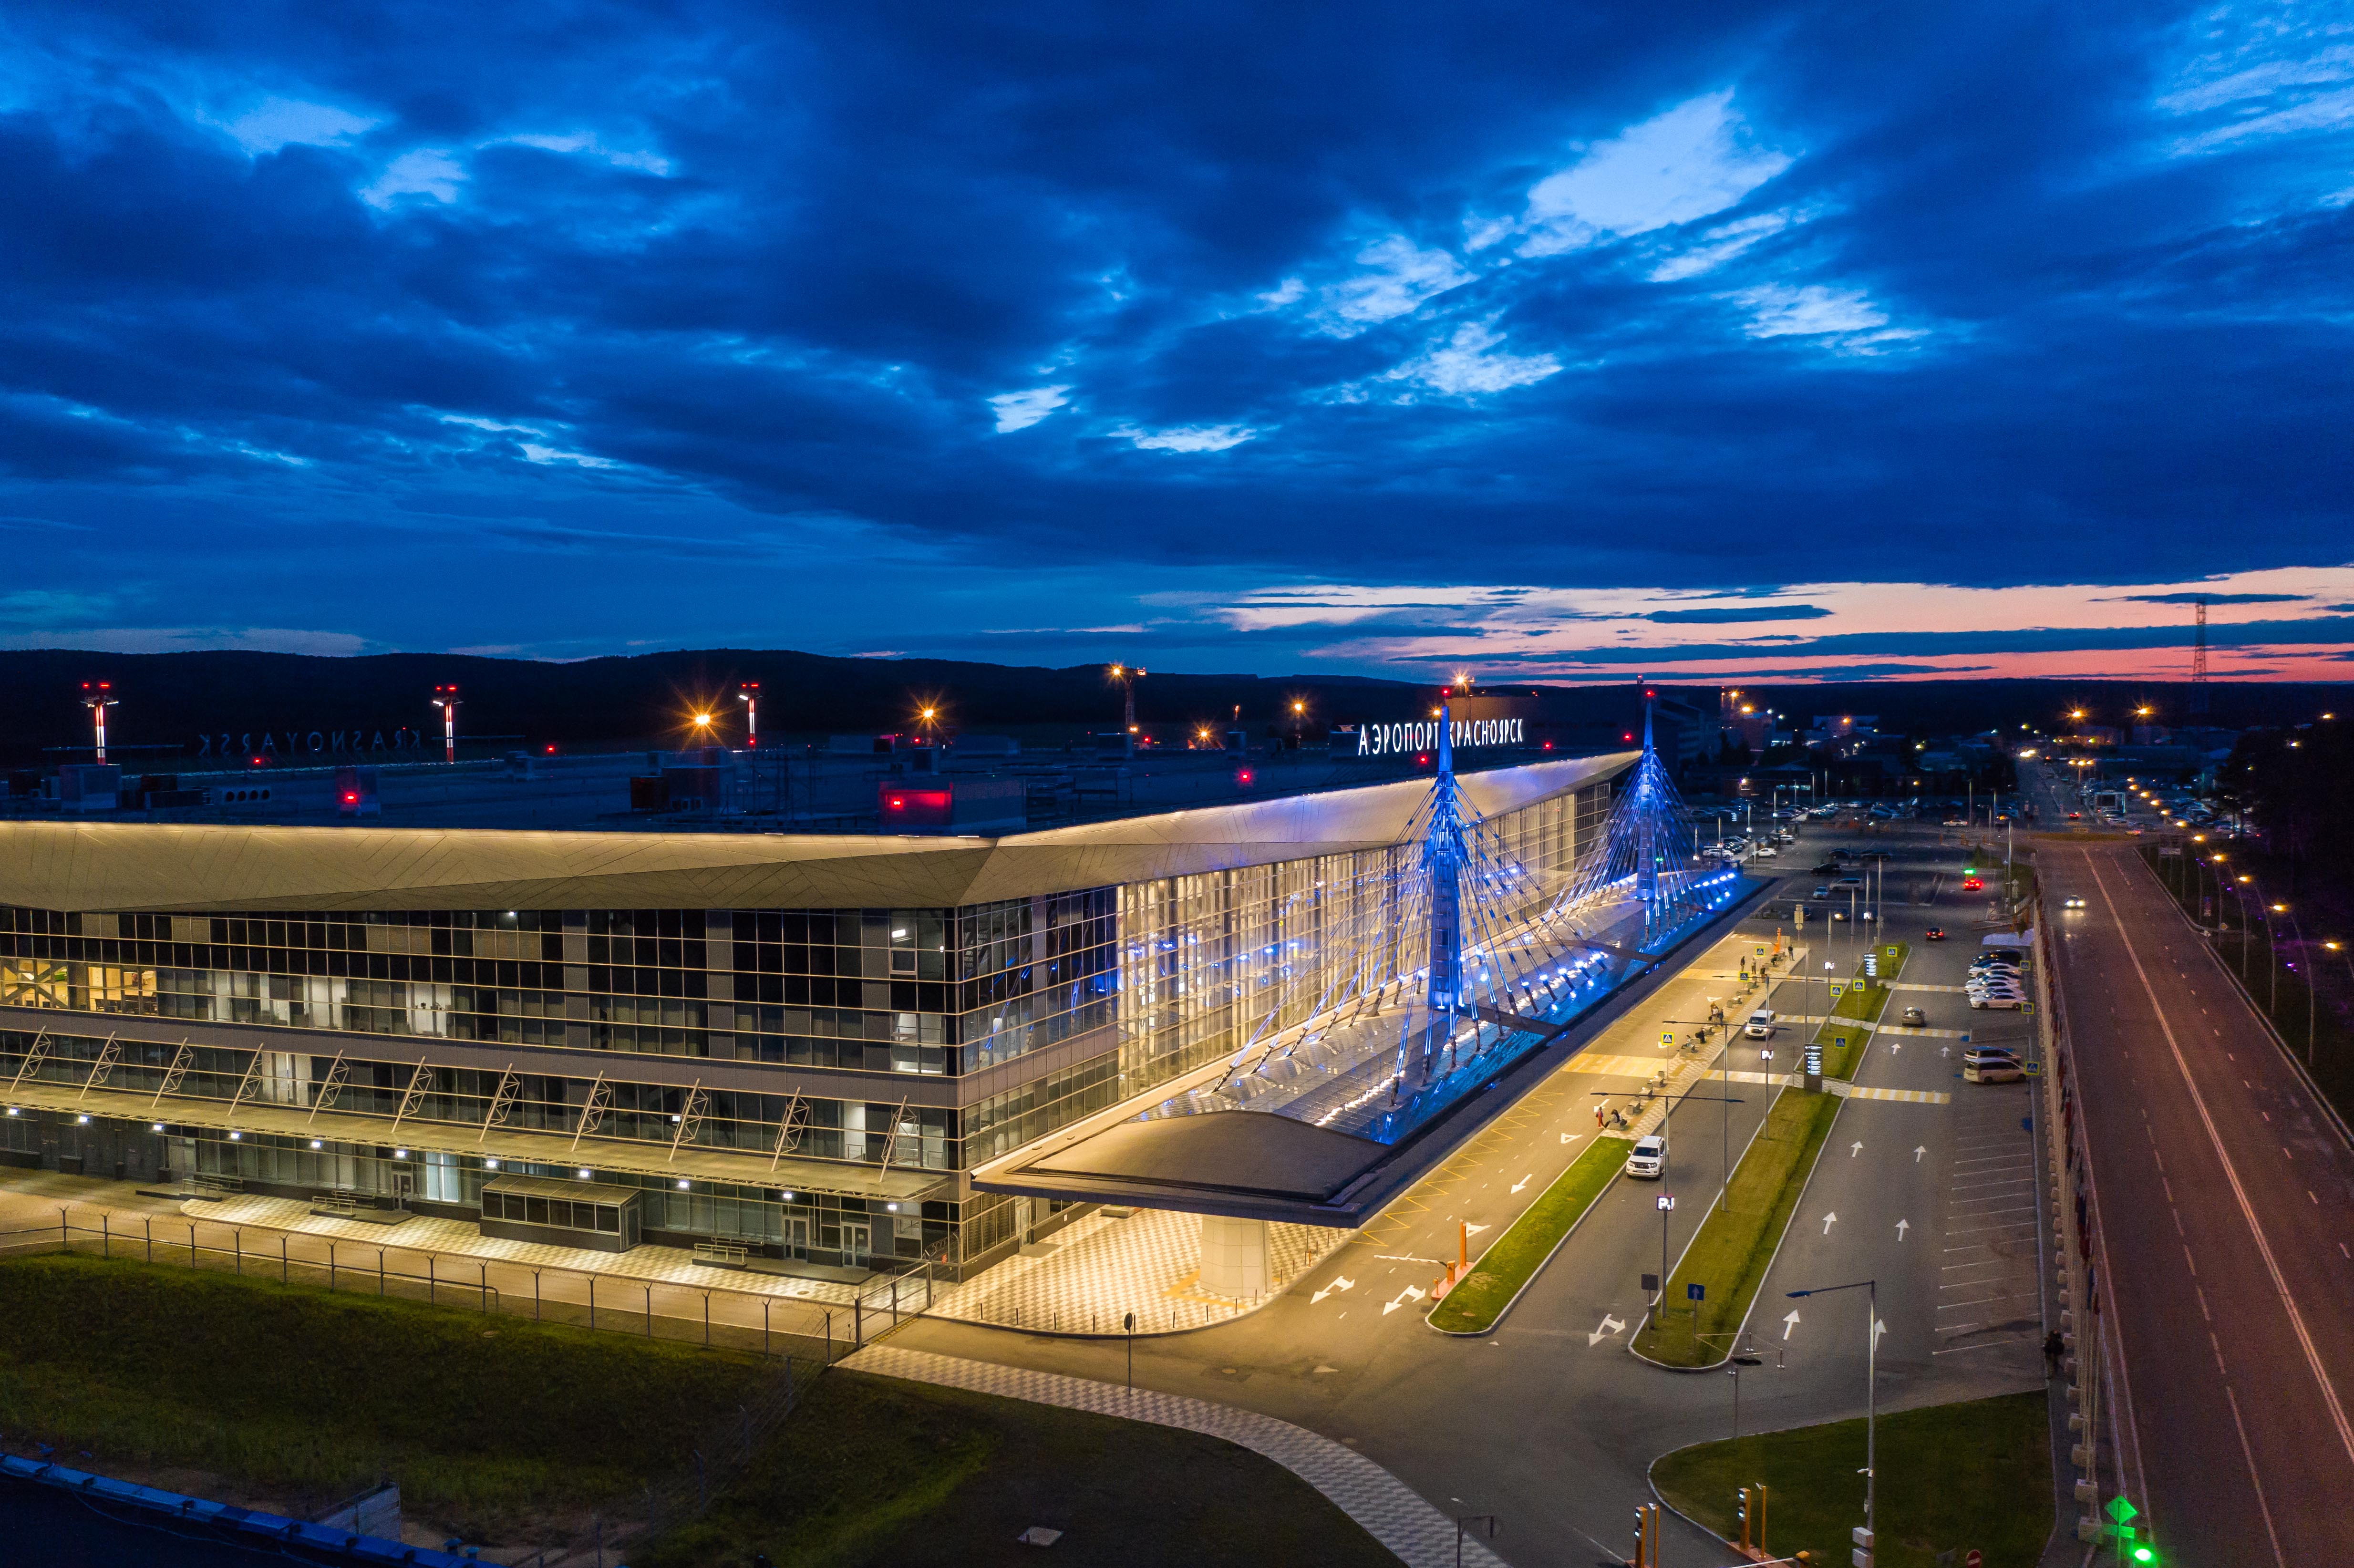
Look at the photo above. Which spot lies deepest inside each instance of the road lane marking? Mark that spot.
(1902, 1226)
(1609, 1325)
(2264, 1507)
(1789, 1322)
(1829, 1221)
(2232, 1175)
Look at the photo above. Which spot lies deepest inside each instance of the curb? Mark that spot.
(1535, 1273)
(1374, 1497)
(1742, 1327)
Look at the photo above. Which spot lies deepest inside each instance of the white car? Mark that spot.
(1998, 999)
(1760, 1025)
(1649, 1161)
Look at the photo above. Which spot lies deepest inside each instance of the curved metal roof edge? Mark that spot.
(125, 867)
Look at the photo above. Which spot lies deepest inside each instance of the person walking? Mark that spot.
(2053, 1347)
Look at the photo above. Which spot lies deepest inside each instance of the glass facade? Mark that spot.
(1114, 989)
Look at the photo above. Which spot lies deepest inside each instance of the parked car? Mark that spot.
(1998, 999)
(1649, 1160)
(1992, 1070)
(1822, 893)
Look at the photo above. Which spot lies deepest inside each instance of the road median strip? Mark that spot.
(1737, 1241)
(1477, 1303)
(1857, 1011)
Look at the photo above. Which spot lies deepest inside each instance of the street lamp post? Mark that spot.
(749, 694)
(446, 699)
(97, 696)
(1659, 1302)
(1870, 1287)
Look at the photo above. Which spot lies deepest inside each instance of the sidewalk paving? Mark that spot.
(1105, 1266)
(1387, 1509)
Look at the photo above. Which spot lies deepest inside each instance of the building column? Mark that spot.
(1234, 1257)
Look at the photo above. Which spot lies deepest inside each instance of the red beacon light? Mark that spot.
(1243, 776)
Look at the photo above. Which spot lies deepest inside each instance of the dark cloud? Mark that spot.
(765, 267)
(2211, 598)
(1729, 614)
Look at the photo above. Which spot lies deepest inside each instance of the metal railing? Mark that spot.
(711, 1315)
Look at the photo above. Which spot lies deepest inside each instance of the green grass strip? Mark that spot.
(1862, 1000)
(1952, 1477)
(1738, 1238)
(1474, 1306)
(485, 1421)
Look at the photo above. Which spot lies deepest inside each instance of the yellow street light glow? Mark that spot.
(703, 718)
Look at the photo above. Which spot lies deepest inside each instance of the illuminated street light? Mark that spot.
(446, 699)
(97, 698)
(749, 694)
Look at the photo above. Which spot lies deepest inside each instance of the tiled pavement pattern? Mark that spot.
(1389, 1511)
(455, 1238)
(1104, 1268)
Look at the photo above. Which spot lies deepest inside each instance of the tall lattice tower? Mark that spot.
(2199, 663)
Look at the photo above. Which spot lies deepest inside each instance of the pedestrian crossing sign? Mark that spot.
(1667, 1036)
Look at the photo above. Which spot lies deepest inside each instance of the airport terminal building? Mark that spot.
(800, 1043)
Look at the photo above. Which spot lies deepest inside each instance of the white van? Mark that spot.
(1760, 1025)
(1649, 1160)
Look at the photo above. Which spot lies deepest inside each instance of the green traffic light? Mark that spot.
(2144, 1554)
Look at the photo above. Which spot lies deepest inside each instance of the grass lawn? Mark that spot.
(487, 1424)
(1528, 1241)
(1738, 1240)
(1952, 1477)
(1863, 1002)
(875, 1470)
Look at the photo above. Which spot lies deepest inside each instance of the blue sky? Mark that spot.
(1766, 340)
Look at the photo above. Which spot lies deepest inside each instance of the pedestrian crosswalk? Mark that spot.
(1846, 1090)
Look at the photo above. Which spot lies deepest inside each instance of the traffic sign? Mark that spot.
(2121, 1510)
(1695, 1291)
(1667, 1201)
(1974, 1560)
(1667, 1036)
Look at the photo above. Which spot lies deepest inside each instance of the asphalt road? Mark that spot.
(2224, 1220)
(1549, 1422)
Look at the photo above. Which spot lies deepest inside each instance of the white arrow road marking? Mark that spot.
(1878, 1329)
(1609, 1325)
(1789, 1322)
(1524, 1181)
(1337, 1285)
(1408, 1294)
(1902, 1226)
(1945, 1050)
(1829, 1221)
(1894, 1046)
(1571, 1137)
(1919, 1149)
(1856, 1149)
(1475, 1230)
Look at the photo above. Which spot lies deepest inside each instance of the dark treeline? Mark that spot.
(167, 701)
(2292, 782)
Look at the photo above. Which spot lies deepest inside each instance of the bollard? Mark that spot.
(430, 1280)
(379, 1274)
(151, 1238)
(237, 1247)
(706, 1320)
(649, 1311)
(484, 1269)
(331, 1269)
(282, 1258)
(534, 1296)
(592, 1301)
(105, 1235)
